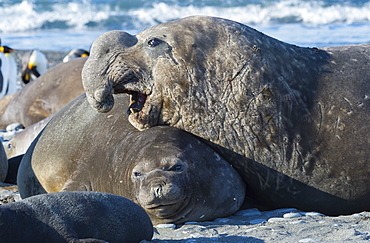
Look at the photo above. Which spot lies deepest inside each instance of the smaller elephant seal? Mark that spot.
(74, 217)
(20, 142)
(17, 146)
(44, 96)
(170, 173)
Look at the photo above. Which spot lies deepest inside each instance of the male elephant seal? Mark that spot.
(44, 96)
(74, 217)
(170, 173)
(294, 122)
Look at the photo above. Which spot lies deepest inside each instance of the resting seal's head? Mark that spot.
(165, 65)
(178, 180)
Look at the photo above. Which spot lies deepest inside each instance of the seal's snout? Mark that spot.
(99, 104)
(158, 188)
(98, 89)
(101, 94)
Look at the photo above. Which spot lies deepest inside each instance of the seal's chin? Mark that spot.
(170, 213)
(159, 208)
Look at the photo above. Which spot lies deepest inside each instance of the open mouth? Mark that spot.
(130, 84)
(137, 102)
(139, 111)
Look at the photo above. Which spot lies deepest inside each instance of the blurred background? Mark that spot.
(61, 25)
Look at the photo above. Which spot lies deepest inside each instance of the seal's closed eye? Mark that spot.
(177, 168)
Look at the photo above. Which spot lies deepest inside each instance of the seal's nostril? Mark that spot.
(100, 94)
(157, 190)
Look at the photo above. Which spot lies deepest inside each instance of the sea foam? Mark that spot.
(77, 15)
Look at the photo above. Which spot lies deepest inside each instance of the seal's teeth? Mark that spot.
(134, 110)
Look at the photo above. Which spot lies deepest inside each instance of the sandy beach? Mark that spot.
(251, 225)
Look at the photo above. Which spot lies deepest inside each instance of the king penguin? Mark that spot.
(8, 72)
(76, 53)
(34, 64)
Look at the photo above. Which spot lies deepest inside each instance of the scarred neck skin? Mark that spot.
(250, 101)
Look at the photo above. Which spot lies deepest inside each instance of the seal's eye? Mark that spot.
(176, 168)
(154, 42)
(137, 174)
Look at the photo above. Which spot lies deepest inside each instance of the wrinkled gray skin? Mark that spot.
(170, 173)
(44, 96)
(19, 144)
(293, 121)
(74, 217)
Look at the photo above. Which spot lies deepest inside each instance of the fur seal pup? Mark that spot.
(74, 217)
(294, 121)
(170, 173)
(44, 96)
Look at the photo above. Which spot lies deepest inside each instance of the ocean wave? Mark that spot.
(288, 11)
(77, 15)
(27, 16)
